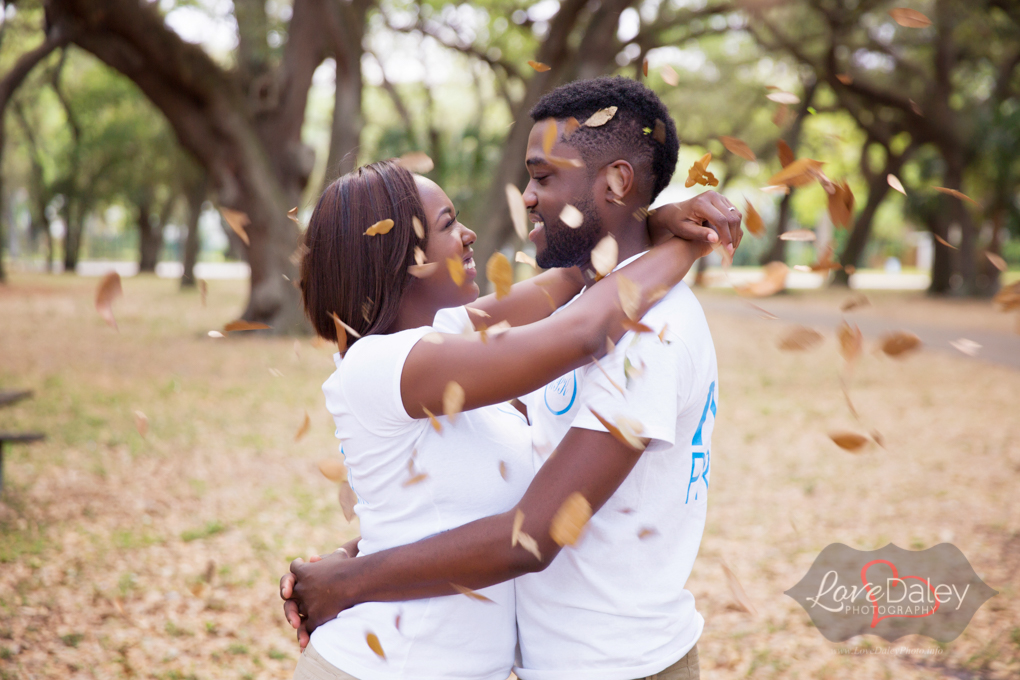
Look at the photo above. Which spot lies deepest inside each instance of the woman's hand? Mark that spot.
(688, 220)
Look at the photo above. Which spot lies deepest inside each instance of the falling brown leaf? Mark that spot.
(333, 470)
(306, 425)
(630, 296)
(845, 78)
(635, 326)
(436, 425)
(776, 189)
(455, 266)
(785, 153)
(549, 137)
(373, 643)
(518, 211)
(500, 274)
(854, 301)
(895, 183)
(515, 532)
(646, 532)
(242, 325)
(109, 290)
(849, 269)
(419, 230)
(957, 194)
(529, 544)
(203, 289)
(453, 400)
(800, 338)
(763, 313)
(292, 215)
(944, 242)
(644, 68)
(699, 174)
(571, 216)
(738, 147)
(570, 519)
(524, 258)
(380, 227)
(1009, 297)
(539, 66)
(841, 205)
(342, 330)
(601, 117)
(798, 173)
(470, 593)
(215, 334)
(737, 591)
(798, 235)
(416, 479)
(753, 220)
(141, 423)
(968, 347)
(237, 221)
(348, 499)
(611, 381)
(782, 116)
(849, 441)
(996, 261)
(503, 471)
(783, 98)
(851, 342)
(909, 18)
(773, 281)
(623, 432)
(899, 343)
(604, 255)
(416, 161)
(423, 271)
(669, 75)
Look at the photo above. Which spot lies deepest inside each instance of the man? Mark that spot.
(613, 606)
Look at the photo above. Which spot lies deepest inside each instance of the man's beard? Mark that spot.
(567, 247)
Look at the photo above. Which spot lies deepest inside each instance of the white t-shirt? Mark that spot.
(442, 637)
(614, 607)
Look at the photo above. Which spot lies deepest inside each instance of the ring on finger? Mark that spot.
(732, 209)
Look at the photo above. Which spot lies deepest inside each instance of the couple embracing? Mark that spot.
(467, 565)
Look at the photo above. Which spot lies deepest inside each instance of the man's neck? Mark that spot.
(631, 239)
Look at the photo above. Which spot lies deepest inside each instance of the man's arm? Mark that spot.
(475, 555)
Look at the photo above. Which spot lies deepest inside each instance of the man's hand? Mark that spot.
(688, 219)
(293, 605)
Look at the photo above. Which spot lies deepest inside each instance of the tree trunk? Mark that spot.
(777, 253)
(878, 188)
(196, 198)
(942, 264)
(150, 238)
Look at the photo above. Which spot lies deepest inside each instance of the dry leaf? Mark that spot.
(909, 18)
(502, 470)
(604, 255)
(570, 519)
(478, 312)
(646, 532)
(292, 215)
(434, 338)
(416, 161)
(237, 221)
(455, 266)
(571, 216)
(470, 593)
(841, 205)
(380, 227)
(669, 75)
(436, 425)
(635, 326)
(419, 230)
(416, 479)
(215, 334)
(845, 78)
(242, 325)
(699, 174)
(800, 338)
(611, 381)
(782, 116)
(630, 296)
(900, 342)
(109, 290)
(773, 281)
(500, 274)
(763, 313)
(957, 194)
(968, 347)
(141, 423)
(1009, 297)
(753, 220)
(783, 98)
(879, 439)
(644, 68)
(549, 137)
(854, 301)
(629, 436)
(737, 591)
(373, 643)
(529, 544)
(738, 147)
(341, 333)
(539, 66)
(306, 425)
(524, 258)
(333, 470)
(777, 189)
(570, 127)
(895, 183)
(996, 261)
(419, 256)
(601, 117)
(453, 400)
(798, 173)
(422, 271)
(348, 499)
(798, 235)
(515, 532)
(785, 153)
(518, 211)
(851, 342)
(849, 441)
(203, 289)
(944, 242)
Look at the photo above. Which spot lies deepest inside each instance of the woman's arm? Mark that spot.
(530, 300)
(492, 369)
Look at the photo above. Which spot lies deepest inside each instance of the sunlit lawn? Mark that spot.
(124, 556)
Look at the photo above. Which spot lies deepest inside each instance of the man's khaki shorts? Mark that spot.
(684, 669)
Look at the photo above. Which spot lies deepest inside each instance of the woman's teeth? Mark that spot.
(469, 263)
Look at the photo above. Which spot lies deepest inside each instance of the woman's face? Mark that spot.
(448, 239)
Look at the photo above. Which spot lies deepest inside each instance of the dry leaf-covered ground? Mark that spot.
(159, 557)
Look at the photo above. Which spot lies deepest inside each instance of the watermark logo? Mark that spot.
(891, 592)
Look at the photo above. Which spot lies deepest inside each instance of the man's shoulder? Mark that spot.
(679, 308)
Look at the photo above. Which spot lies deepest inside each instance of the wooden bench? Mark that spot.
(9, 398)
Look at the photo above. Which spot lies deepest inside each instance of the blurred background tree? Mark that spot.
(150, 108)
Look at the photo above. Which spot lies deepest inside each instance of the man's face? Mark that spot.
(555, 183)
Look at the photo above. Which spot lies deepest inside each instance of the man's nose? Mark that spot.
(530, 196)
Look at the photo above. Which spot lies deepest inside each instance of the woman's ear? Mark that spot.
(619, 180)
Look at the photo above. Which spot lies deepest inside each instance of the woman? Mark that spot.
(420, 349)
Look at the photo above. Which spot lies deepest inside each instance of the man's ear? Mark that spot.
(620, 180)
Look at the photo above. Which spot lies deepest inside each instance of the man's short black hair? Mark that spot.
(629, 135)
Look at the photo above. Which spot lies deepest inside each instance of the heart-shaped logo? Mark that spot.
(875, 618)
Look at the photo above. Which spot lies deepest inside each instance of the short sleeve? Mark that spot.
(651, 374)
(370, 380)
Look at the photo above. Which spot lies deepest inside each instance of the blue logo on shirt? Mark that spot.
(705, 457)
(560, 395)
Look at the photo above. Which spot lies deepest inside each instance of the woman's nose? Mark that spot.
(467, 237)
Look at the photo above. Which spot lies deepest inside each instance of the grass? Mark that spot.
(113, 533)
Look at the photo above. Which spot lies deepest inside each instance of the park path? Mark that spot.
(1001, 348)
